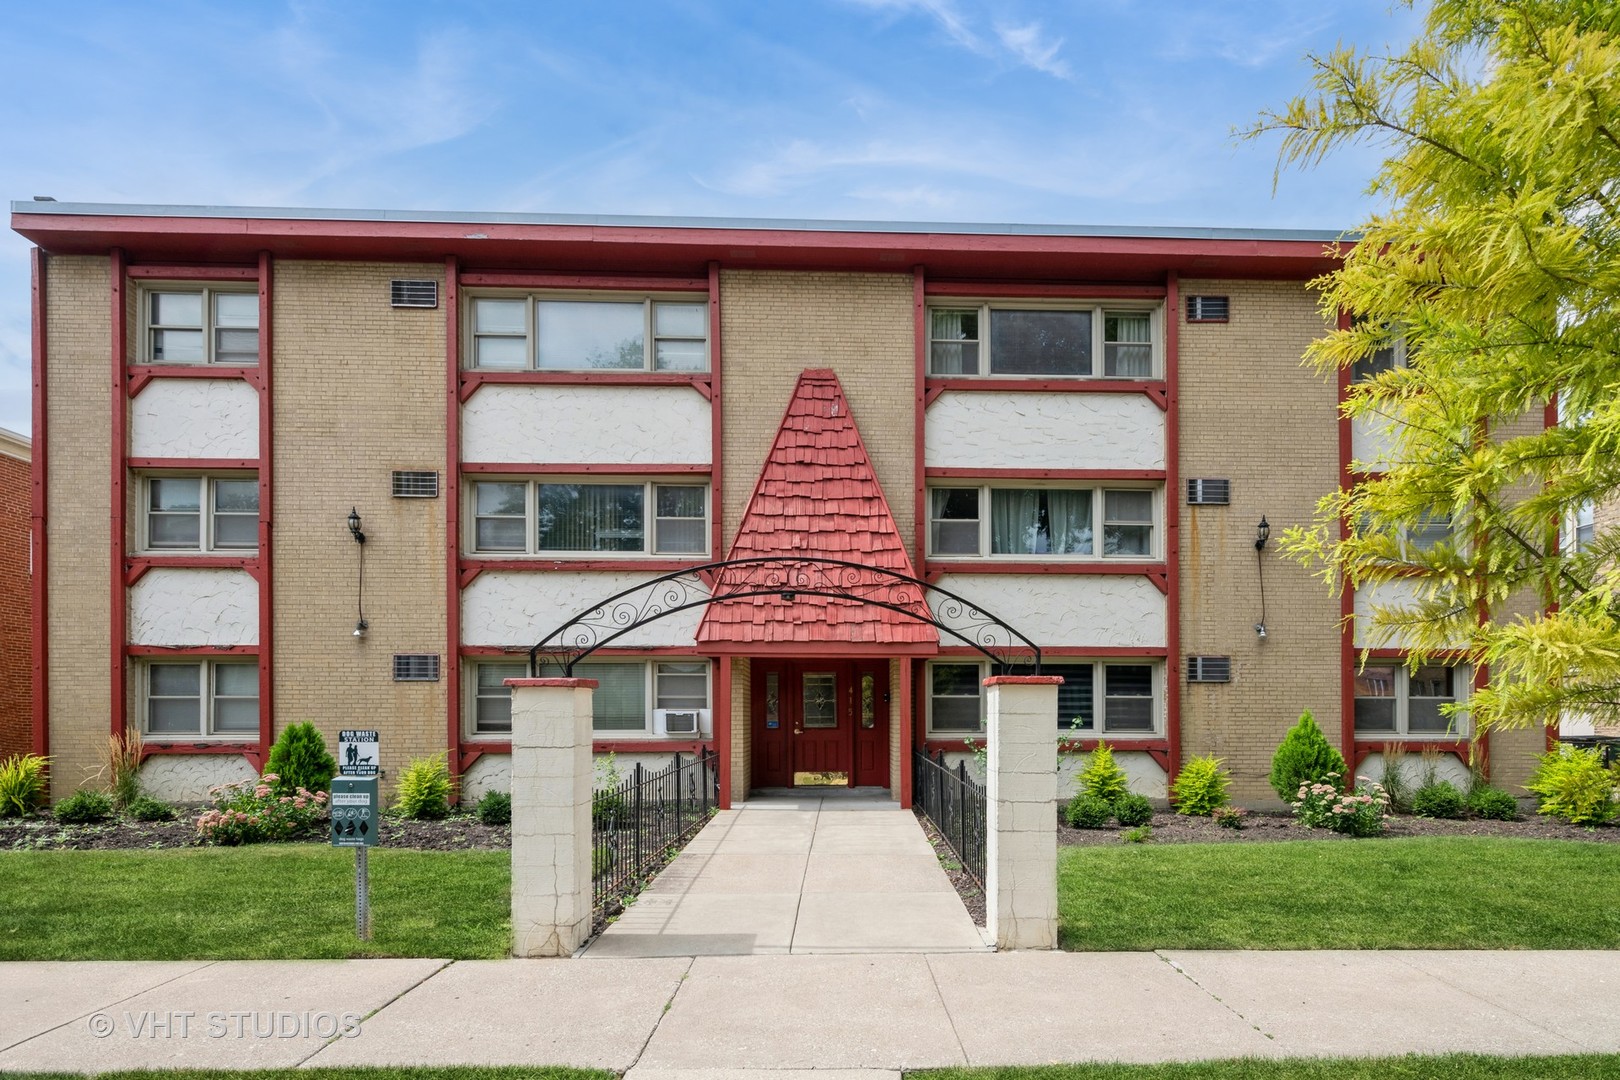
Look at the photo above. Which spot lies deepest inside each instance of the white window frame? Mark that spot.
(1099, 728)
(207, 527)
(650, 672)
(531, 509)
(209, 328)
(1462, 683)
(1582, 516)
(1099, 502)
(1099, 310)
(649, 339)
(207, 699)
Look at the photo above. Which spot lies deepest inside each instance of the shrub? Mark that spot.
(424, 789)
(495, 808)
(300, 759)
(1139, 835)
(1323, 805)
(22, 784)
(84, 808)
(1438, 800)
(1493, 803)
(1133, 809)
(1200, 787)
(250, 811)
(1572, 785)
(1088, 812)
(1229, 817)
(1102, 777)
(124, 767)
(1303, 758)
(146, 808)
(1397, 778)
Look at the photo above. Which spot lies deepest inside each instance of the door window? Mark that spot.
(820, 699)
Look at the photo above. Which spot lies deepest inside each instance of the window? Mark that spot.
(620, 705)
(1045, 522)
(1391, 356)
(1096, 698)
(1391, 699)
(1581, 528)
(601, 334)
(201, 326)
(565, 518)
(201, 513)
(1430, 531)
(1076, 342)
(205, 698)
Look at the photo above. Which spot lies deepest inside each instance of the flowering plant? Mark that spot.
(1229, 817)
(1322, 805)
(249, 811)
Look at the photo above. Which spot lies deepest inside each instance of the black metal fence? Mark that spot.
(636, 825)
(955, 803)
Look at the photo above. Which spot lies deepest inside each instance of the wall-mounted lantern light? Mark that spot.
(354, 526)
(1262, 533)
(360, 625)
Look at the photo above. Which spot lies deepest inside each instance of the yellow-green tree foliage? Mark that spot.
(1497, 261)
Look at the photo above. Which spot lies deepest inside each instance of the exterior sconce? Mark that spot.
(360, 625)
(1262, 532)
(354, 526)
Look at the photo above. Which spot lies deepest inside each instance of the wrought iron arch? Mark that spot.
(786, 577)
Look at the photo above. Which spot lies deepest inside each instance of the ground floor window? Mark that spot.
(628, 695)
(1100, 697)
(1392, 699)
(201, 698)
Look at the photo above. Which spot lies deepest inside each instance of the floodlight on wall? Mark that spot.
(360, 625)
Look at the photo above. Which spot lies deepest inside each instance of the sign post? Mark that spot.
(355, 811)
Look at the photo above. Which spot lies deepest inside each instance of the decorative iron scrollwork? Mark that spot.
(787, 578)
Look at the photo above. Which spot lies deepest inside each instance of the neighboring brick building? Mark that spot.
(16, 601)
(1077, 430)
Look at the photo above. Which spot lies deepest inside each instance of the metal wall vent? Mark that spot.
(416, 667)
(415, 485)
(419, 294)
(1206, 491)
(1207, 309)
(1209, 669)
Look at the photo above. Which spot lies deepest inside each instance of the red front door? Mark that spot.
(820, 723)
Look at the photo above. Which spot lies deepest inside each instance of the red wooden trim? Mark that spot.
(1076, 567)
(1059, 653)
(1171, 583)
(252, 751)
(1118, 743)
(1459, 747)
(1024, 680)
(522, 653)
(267, 504)
(933, 472)
(196, 650)
(455, 579)
(859, 650)
(141, 375)
(472, 380)
(202, 465)
(137, 566)
(1347, 598)
(39, 473)
(117, 620)
(516, 279)
(717, 541)
(930, 396)
(468, 575)
(1077, 385)
(722, 727)
(1076, 290)
(908, 728)
(473, 749)
(921, 399)
(154, 272)
(565, 684)
(1446, 656)
(634, 563)
(584, 469)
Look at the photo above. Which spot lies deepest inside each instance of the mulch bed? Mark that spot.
(1171, 828)
(968, 889)
(459, 832)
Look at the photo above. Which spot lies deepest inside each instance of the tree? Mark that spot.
(1497, 265)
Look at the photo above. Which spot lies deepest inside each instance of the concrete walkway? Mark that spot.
(798, 874)
(666, 1019)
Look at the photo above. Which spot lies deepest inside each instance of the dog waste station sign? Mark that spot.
(354, 812)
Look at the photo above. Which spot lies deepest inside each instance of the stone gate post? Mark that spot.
(551, 815)
(1021, 841)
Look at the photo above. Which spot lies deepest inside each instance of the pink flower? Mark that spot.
(299, 804)
(261, 792)
(270, 777)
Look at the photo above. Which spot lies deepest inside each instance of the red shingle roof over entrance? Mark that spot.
(819, 498)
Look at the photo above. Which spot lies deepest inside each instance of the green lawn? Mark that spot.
(269, 902)
(1415, 1067)
(1410, 893)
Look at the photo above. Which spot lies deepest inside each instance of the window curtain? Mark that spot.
(1069, 518)
(590, 517)
(1015, 523)
(1130, 346)
(955, 348)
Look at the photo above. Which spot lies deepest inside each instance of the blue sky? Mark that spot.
(1086, 112)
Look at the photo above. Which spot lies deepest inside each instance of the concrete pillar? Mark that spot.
(551, 815)
(1021, 842)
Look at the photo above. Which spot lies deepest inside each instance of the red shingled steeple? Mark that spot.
(818, 498)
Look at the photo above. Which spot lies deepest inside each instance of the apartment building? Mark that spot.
(352, 467)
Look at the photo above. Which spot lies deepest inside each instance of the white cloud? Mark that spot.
(1026, 44)
(1034, 50)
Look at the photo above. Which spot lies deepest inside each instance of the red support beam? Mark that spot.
(39, 475)
(1172, 522)
(118, 595)
(920, 402)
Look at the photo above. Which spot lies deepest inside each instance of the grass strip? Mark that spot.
(1411, 1067)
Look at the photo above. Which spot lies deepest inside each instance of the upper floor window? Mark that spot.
(975, 521)
(1069, 342)
(200, 326)
(571, 518)
(200, 513)
(547, 334)
(1581, 529)
(1387, 358)
(1391, 699)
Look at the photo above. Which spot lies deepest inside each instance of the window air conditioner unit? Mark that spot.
(680, 721)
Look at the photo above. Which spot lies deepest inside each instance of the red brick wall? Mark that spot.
(16, 609)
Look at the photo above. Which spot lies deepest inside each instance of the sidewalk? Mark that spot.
(661, 1019)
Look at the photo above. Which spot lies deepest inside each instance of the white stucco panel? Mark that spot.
(195, 418)
(492, 772)
(1124, 611)
(1449, 769)
(185, 606)
(593, 425)
(517, 608)
(987, 430)
(1372, 441)
(1394, 595)
(186, 778)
